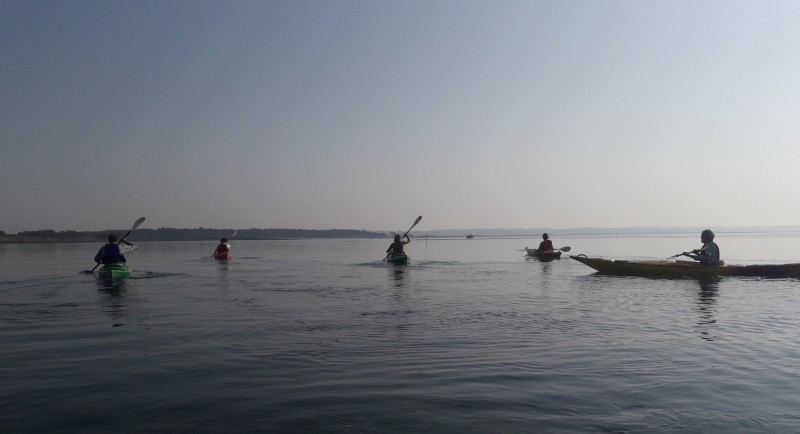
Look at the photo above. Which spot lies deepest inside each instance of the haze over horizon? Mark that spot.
(363, 115)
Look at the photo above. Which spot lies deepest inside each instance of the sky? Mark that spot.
(365, 114)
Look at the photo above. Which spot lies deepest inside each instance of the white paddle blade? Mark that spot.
(124, 248)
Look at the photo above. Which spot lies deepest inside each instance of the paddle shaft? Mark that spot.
(412, 226)
(563, 249)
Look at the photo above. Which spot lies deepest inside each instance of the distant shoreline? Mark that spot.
(205, 234)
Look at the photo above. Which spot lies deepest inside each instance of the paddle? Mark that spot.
(405, 234)
(681, 254)
(135, 225)
(234, 234)
(563, 249)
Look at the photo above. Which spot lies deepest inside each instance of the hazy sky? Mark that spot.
(364, 114)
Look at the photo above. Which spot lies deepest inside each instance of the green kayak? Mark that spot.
(397, 259)
(114, 271)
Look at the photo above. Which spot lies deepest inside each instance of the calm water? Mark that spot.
(321, 336)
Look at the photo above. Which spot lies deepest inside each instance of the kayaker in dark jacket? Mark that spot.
(396, 248)
(546, 245)
(709, 253)
(111, 252)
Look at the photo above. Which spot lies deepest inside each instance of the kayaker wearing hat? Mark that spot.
(396, 248)
(223, 248)
(546, 245)
(111, 254)
(709, 253)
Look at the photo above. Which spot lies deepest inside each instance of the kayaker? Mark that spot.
(396, 248)
(223, 248)
(111, 254)
(709, 253)
(546, 245)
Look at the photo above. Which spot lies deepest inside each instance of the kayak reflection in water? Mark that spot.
(546, 245)
(111, 254)
(709, 253)
(396, 248)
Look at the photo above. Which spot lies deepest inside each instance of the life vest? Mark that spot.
(546, 246)
(111, 254)
(222, 248)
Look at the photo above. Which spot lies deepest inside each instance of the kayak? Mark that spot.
(666, 268)
(223, 256)
(114, 271)
(543, 256)
(397, 259)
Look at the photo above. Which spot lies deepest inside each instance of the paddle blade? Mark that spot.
(135, 225)
(417, 221)
(138, 223)
(234, 234)
(565, 249)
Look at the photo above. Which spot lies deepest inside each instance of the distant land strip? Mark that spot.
(173, 234)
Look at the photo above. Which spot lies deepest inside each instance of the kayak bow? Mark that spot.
(114, 271)
(397, 259)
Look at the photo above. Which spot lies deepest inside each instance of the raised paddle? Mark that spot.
(412, 226)
(406, 233)
(234, 234)
(135, 225)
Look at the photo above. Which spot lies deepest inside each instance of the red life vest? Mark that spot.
(222, 248)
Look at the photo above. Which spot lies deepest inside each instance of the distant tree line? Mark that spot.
(174, 234)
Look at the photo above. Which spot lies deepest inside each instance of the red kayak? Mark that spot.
(223, 256)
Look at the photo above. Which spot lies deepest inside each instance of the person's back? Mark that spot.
(396, 248)
(223, 247)
(546, 245)
(709, 253)
(110, 253)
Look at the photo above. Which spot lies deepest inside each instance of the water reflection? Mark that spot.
(706, 305)
(112, 293)
(397, 275)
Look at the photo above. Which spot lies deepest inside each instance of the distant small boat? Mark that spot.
(470, 236)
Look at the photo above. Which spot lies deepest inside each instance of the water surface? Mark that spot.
(321, 336)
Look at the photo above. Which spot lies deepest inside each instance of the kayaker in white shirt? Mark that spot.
(709, 253)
